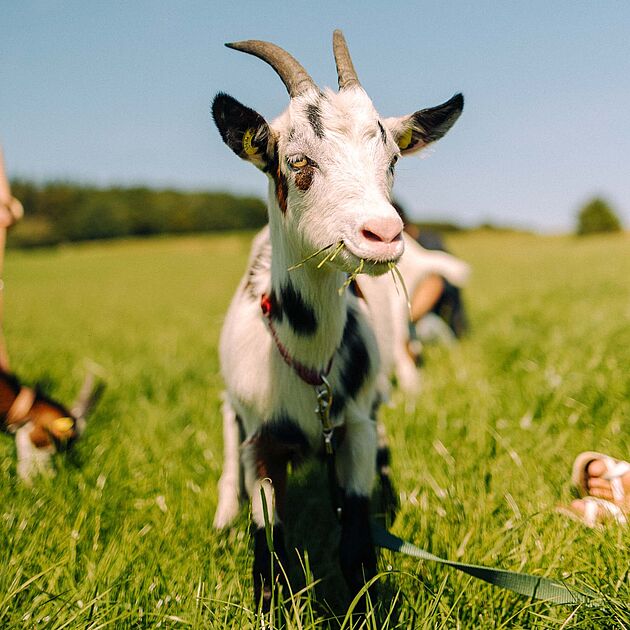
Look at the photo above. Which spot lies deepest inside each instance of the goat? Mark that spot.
(42, 426)
(330, 161)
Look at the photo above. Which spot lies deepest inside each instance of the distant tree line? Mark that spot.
(60, 212)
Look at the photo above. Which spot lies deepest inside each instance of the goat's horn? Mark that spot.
(345, 70)
(90, 392)
(289, 69)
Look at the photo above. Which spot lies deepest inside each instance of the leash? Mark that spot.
(532, 586)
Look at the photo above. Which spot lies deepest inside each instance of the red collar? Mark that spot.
(307, 374)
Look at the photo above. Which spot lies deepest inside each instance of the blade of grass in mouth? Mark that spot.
(319, 251)
(351, 277)
(393, 268)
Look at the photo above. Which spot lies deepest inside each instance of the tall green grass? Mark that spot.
(121, 537)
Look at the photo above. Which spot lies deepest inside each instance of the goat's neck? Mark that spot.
(319, 289)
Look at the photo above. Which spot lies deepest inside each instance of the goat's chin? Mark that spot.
(350, 262)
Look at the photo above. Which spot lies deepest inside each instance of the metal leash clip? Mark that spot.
(324, 402)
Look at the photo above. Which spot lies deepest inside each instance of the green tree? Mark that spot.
(597, 216)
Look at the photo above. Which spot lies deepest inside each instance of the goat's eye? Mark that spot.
(298, 163)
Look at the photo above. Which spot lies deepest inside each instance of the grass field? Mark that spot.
(121, 536)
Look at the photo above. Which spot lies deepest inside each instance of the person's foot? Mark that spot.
(609, 483)
(604, 484)
(594, 512)
(599, 475)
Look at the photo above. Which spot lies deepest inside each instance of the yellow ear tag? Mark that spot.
(247, 142)
(62, 425)
(405, 140)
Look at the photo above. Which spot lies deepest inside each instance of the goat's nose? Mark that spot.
(383, 229)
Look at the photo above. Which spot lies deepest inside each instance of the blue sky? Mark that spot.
(120, 92)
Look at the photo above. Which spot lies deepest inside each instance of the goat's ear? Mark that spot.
(243, 130)
(416, 131)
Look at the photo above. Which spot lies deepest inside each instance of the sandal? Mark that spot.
(615, 470)
(596, 512)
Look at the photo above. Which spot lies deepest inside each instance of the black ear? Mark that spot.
(416, 131)
(242, 129)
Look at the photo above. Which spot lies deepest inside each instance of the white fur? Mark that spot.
(31, 460)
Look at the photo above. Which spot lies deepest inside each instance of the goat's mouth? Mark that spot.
(354, 265)
(377, 258)
(352, 259)
(376, 267)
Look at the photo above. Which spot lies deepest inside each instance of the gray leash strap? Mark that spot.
(532, 586)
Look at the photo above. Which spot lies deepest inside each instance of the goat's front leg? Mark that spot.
(229, 484)
(266, 474)
(355, 471)
(31, 460)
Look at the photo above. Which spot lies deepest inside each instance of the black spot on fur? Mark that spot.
(383, 134)
(276, 309)
(299, 314)
(285, 432)
(282, 190)
(272, 167)
(241, 429)
(357, 359)
(383, 457)
(356, 549)
(314, 116)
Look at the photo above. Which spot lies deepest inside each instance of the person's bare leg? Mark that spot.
(425, 296)
(10, 208)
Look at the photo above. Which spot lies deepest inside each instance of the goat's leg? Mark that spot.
(266, 475)
(31, 460)
(229, 484)
(355, 471)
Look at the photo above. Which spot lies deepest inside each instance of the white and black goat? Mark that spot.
(41, 425)
(330, 161)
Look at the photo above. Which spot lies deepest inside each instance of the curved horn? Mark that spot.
(345, 70)
(289, 69)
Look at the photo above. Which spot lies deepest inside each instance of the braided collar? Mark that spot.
(307, 374)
